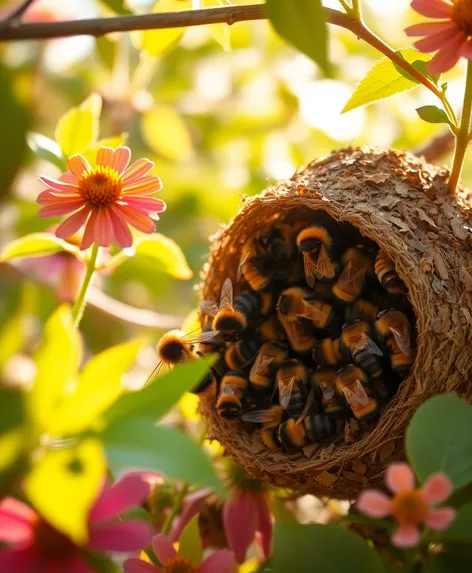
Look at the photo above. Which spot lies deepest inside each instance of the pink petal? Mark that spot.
(68, 177)
(16, 521)
(88, 237)
(448, 56)
(190, 507)
(128, 491)
(136, 219)
(440, 519)
(105, 156)
(437, 488)
(144, 185)
(432, 8)
(75, 564)
(144, 204)
(63, 207)
(122, 536)
(78, 164)
(399, 477)
(137, 170)
(121, 158)
(123, 236)
(57, 185)
(72, 224)
(264, 525)
(436, 41)
(406, 536)
(467, 49)
(430, 28)
(374, 503)
(163, 548)
(19, 560)
(51, 198)
(240, 520)
(139, 566)
(221, 561)
(103, 228)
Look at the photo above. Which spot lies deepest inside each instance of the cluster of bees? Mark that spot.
(321, 332)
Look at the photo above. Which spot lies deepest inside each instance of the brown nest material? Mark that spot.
(400, 202)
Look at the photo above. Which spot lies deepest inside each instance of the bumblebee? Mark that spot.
(296, 434)
(358, 265)
(394, 329)
(327, 351)
(316, 245)
(232, 391)
(356, 343)
(353, 384)
(270, 420)
(291, 379)
(268, 359)
(323, 380)
(231, 318)
(387, 275)
(240, 354)
(363, 309)
(270, 330)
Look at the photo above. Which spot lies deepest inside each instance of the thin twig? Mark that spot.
(18, 13)
(437, 148)
(105, 304)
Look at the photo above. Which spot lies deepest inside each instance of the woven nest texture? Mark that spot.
(400, 202)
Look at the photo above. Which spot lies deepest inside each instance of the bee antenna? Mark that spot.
(152, 373)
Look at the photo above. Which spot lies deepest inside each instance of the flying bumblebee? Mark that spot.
(268, 359)
(232, 391)
(358, 265)
(387, 275)
(394, 329)
(231, 318)
(324, 382)
(270, 420)
(353, 384)
(316, 245)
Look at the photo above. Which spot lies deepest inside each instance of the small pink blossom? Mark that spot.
(107, 198)
(409, 506)
(451, 37)
(34, 545)
(221, 561)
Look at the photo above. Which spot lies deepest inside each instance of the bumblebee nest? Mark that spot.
(401, 203)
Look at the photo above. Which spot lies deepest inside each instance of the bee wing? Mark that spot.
(310, 269)
(324, 266)
(226, 297)
(328, 391)
(402, 338)
(244, 259)
(306, 409)
(310, 312)
(257, 416)
(201, 337)
(226, 390)
(356, 396)
(366, 343)
(285, 391)
(209, 307)
(353, 276)
(261, 363)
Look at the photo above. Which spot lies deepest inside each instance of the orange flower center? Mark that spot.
(50, 542)
(462, 15)
(409, 507)
(100, 186)
(179, 565)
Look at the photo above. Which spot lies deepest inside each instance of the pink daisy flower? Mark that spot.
(34, 545)
(221, 561)
(451, 37)
(409, 506)
(106, 198)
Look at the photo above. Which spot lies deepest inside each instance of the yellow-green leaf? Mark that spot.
(191, 322)
(384, 80)
(11, 426)
(100, 384)
(190, 545)
(35, 245)
(91, 153)
(166, 133)
(219, 32)
(155, 42)
(166, 253)
(57, 360)
(46, 149)
(64, 483)
(77, 129)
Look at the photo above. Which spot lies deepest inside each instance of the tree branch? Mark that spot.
(13, 30)
(18, 13)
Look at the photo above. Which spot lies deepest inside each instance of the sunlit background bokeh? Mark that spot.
(221, 111)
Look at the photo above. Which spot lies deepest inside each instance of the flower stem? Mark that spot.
(175, 510)
(462, 138)
(81, 300)
(356, 9)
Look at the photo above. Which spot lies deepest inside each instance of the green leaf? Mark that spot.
(46, 149)
(106, 51)
(155, 42)
(117, 6)
(219, 32)
(437, 439)
(136, 442)
(14, 119)
(165, 253)
(166, 133)
(159, 395)
(302, 23)
(328, 548)
(11, 426)
(432, 114)
(384, 80)
(57, 359)
(35, 245)
(461, 529)
(100, 384)
(190, 545)
(447, 563)
(64, 483)
(91, 153)
(77, 129)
